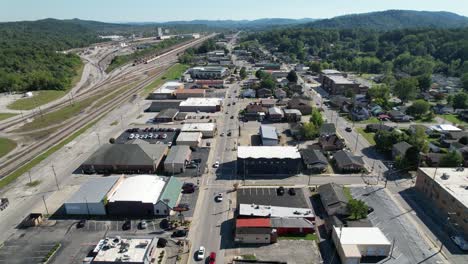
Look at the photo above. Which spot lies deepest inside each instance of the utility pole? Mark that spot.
(55, 176)
(45, 205)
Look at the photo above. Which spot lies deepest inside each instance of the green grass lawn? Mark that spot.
(453, 118)
(45, 96)
(372, 120)
(6, 145)
(172, 73)
(298, 237)
(347, 193)
(4, 116)
(368, 136)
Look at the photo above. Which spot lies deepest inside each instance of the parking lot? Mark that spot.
(409, 244)
(152, 135)
(27, 252)
(189, 199)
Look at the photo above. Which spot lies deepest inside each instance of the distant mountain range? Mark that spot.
(394, 19)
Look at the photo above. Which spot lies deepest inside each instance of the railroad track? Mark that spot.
(23, 157)
(97, 88)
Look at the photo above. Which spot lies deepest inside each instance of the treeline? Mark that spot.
(30, 57)
(408, 51)
(206, 46)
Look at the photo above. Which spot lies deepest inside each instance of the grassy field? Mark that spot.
(44, 96)
(4, 116)
(298, 237)
(6, 145)
(454, 119)
(172, 73)
(368, 136)
(371, 120)
(28, 166)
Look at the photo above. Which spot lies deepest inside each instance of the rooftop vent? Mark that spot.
(445, 176)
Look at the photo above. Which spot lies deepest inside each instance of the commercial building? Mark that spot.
(201, 105)
(337, 84)
(208, 130)
(353, 243)
(125, 158)
(166, 115)
(142, 195)
(210, 83)
(187, 93)
(446, 189)
(255, 210)
(192, 139)
(166, 91)
(124, 250)
(255, 231)
(177, 158)
(90, 199)
(268, 160)
(209, 72)
(159, 105)
(296, 226)
(269, 135)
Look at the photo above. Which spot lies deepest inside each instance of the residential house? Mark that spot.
(268, 102)
(264, 93)
(314, 160)
(399, 149)
(253, 111)
(346, 162)
(301, 104)
(249, 93)
(441, 109)
(374, 128)
(333, 199)
(338, 101)
(327, 129)
(398, 116)
(275, 114)
(359, 113)
(331, 143)
(269, 135)
(292, 115)
(280, 93)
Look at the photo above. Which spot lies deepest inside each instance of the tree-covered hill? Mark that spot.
(394, 19)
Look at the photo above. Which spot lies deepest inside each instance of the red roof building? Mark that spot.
(253, 222)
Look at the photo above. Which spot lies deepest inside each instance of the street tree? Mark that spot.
(309, 131)
(316, 118)
(460, 100)
(451, 159)
(406, 89)
(357, 209)
(292, 76)
(418, 108)
(419, 140)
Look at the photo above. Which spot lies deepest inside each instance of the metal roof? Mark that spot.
(361, 236)
(253, 222)
(171, 192)
(189, 136)
(268, 132)
(178, 154)
(291, 223)
(198, 101)
(94, 190)
(195, 127)
(268, 152)
(127, 154)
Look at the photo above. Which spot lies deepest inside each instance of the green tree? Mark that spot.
(357, 209)
(315, 66)
(451, 159)
(268, 83)
(309, 131)
(316, 118)
(464, 80)
(463, 140)
(425, 82)
(419, 140)
(292, 76)
(385, 140)
(460, 101)
(379, 94)
(406, 89)
(260, 74)
(243, 73)
(418, 108)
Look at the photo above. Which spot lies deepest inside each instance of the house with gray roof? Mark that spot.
(125, 158)
(399, 149)
(314, 160)
(346, 162)
(333, 199)
(269, 135)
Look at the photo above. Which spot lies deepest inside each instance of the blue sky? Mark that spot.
(164, 10)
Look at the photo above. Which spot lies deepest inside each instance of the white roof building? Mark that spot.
(198, 102)
(138, 250)
(268, 152)
(169, 87)
(141, 188)
(207, 129)
(445, 128)
(453, 181)
(274, 211)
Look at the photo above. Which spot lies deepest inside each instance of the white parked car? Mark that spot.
(164, 136)
(137, 136)
(216, 165)
(131, 136)
(201, 253)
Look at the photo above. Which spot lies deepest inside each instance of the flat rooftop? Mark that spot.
(140, 188)
(338, 79)
(194, 127)
(361, 236)
(268, 152)
(94, 190)
(169, 87)
(109, 250)
(274, 211)
(453, 181)
(197, 101)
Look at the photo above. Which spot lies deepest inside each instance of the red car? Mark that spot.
(212, 258)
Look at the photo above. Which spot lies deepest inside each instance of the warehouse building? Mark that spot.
(192, 139)
(353, 243)
(187, 93)
(208, 130)
(125, 158)
(144, 195)
(269, 135)
(90, 199)
(209, 72)
(178, 158)
(268, 160)
(166, 115)
(127, 250)
(447, 190)
(166, 91)
(201, 105)
(160, 105)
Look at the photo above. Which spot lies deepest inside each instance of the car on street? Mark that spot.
(280, 190)
(143, 225)
(179, 233)
(216, 165)
(219, 197)
(370, 209)
(232, 117)
(200, 253)
(188, 187)
(126, 225)
(348, 129)
(229, 133)
(292, 191)
(222, 134)
(81, 223)
(460, 242)
(191, 166)
(212, 258)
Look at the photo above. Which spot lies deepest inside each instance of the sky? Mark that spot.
(170, 10)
